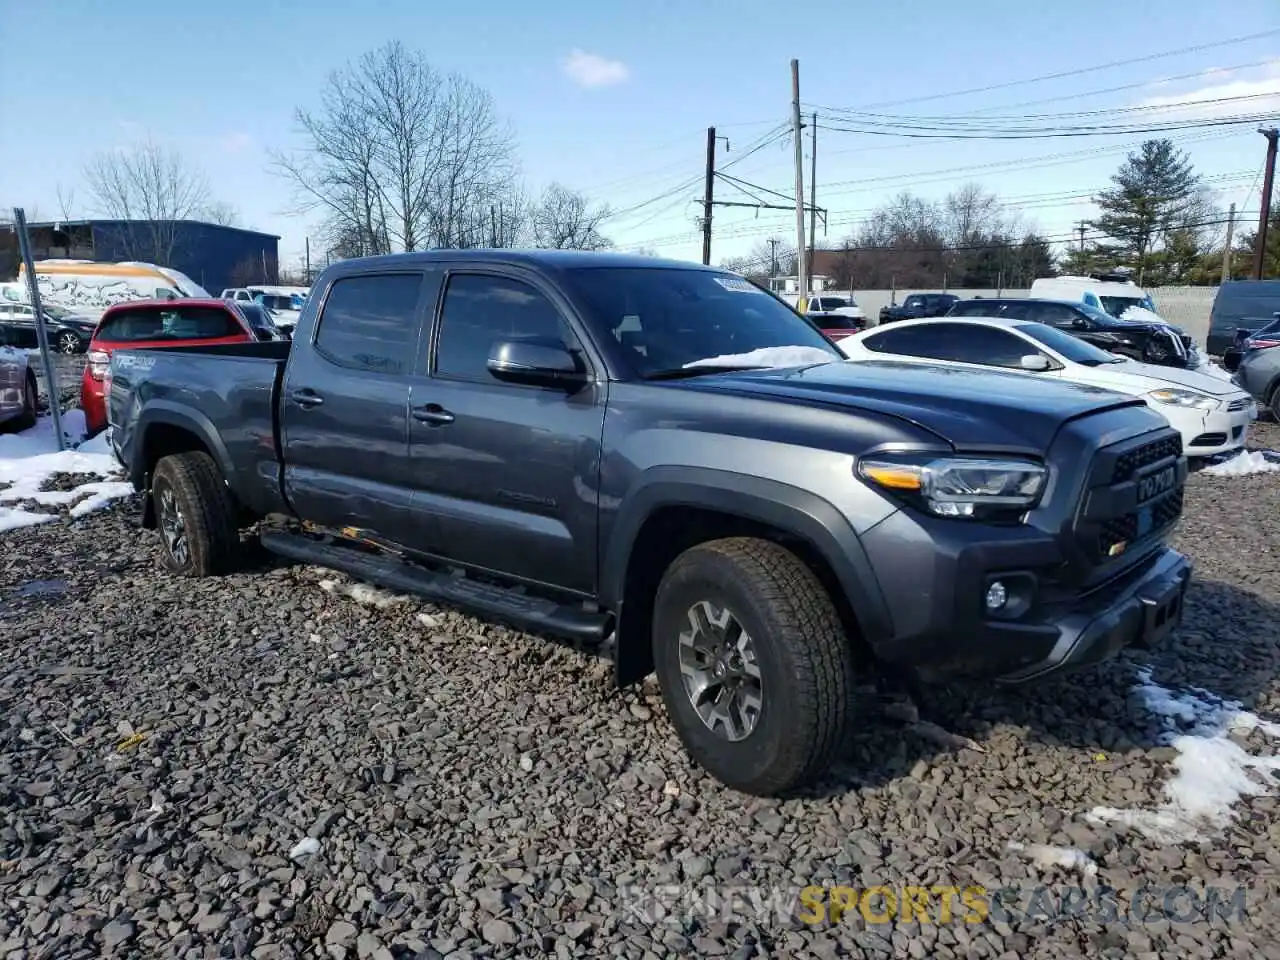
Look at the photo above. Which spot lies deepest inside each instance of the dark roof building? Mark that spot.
(212, 255)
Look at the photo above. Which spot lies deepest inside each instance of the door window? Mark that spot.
(371, 323)
(481, 310)
(1054, 314)
(957, 342)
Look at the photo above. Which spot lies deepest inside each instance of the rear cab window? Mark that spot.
(169, 322)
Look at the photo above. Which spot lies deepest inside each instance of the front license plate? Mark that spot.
(1154, 484)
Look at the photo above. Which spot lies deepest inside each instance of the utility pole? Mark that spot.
(308, 261)
(708, 196)
(1226, 253)
(813, 185)
(802, 272)
(1080, 230)
(1264, 215)
(773, 257)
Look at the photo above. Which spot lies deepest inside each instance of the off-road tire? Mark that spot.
(1274, 404)
(805, 661)
(207, 510)
(30, 402)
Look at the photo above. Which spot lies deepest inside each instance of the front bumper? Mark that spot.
(1207, 434)
(943, 633)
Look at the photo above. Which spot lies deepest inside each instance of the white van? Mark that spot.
(1115, 296)
(89, 287)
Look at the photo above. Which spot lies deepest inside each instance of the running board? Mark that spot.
(535, 614)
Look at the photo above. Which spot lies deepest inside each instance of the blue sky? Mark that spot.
(614, 98)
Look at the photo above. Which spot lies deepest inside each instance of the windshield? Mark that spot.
(1116, 306)
(1068, 347)
(57, 312)
(671, 319)
(258, 316)
(274, 302)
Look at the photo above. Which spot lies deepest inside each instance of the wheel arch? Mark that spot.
(163, 430)
(678, 507)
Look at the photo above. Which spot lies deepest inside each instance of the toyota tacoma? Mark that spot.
(662, 456)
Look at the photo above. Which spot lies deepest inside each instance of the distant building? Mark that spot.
(212, 255)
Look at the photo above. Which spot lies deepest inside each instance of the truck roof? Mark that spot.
(557, 259)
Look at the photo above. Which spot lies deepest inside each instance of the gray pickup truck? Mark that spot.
(597, 446)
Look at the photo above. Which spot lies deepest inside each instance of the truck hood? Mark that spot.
(970, 409)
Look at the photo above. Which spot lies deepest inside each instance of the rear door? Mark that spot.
(505, 471)
(345, 409)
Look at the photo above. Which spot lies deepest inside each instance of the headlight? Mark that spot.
(956, 487)
(1184, 398)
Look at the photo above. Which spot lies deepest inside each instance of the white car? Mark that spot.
(841, 305)
(17, 389)
(1213, 415)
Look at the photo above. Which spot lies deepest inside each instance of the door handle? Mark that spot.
(306, 398)
(432, 413)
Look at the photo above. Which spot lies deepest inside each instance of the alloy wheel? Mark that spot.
(720, 672)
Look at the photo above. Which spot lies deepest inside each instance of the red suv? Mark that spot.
(155, 323)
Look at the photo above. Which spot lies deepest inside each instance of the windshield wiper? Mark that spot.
(681, 373)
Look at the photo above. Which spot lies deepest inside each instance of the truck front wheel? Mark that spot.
(753, 662)
(195, 514)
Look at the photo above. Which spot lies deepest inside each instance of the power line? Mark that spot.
(1085, 94)
(1128, 61)
(926, 132)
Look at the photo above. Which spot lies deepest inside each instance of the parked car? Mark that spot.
(1157, 343)
(1259, 371)
(1112, 293)
(599, 446)
(67, 332)
(154, 323)
(1211, 414)
(918, 305)
(18, 389)
(1244, 339)
(1241, 306)
(90, 286)
(261, 320)
(827, 303)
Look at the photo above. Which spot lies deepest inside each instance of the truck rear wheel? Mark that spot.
(753, 662)
(195, 515)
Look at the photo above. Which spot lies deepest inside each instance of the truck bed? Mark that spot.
(234, 387)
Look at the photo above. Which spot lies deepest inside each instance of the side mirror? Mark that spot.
(1080, 323)
(1035, 362)
(537, 362)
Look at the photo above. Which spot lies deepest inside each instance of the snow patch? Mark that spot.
(306, 847)
(1046, 856)
(29, 458)
(363, 593)
(1213, 772)
(1141, 315)
(768, 357)
(1244, 464)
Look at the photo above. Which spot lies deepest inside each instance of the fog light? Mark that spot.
(997, 596)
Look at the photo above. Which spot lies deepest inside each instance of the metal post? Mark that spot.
(308, 261)
(42, 337)
(708, 196)
(802, 271)
(1226, 253)
(1264, 215)
(813, 186)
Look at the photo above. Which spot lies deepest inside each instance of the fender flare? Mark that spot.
(798, 512)
(159, 412)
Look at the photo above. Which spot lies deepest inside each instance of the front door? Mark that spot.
(345, 410)
(506, 474)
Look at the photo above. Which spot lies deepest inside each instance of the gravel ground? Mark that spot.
(165, 745)
(68, 369)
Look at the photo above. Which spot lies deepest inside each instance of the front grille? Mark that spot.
(1129, 463)
(1236, 406)
(1186, 342)
(1118, 532)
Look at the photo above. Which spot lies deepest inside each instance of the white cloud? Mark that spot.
(592, 70)
(1213, 100)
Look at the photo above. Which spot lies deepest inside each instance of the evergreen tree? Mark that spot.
(1154, 191)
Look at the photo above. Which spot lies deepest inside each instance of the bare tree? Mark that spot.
(564, 219)
(400, 157)
(221, 213)
(66, 201)
(151, 189)
(971, 212)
